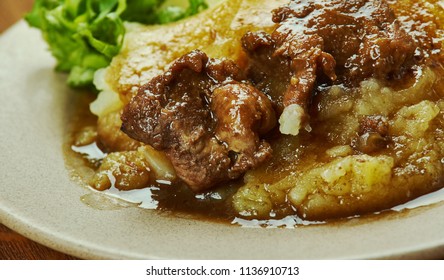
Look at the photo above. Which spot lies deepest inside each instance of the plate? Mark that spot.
(39, 200)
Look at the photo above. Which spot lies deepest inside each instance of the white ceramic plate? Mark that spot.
(39, 200)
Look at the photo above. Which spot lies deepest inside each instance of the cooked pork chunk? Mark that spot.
(318, 40)
(348, 70)
(206, 119)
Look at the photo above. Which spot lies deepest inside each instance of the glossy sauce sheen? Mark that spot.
(312, 150)
(176, 199)
(181, 201)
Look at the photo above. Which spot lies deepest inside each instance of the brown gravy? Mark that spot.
(214, 206)
(309, 150)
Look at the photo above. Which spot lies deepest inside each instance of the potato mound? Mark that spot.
(328, 178)
(331, 171)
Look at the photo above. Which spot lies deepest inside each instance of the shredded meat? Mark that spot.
(206, 119)
(320, 40)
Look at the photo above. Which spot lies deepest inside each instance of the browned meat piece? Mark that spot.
(373, 134)
(317, 39)
(270, 74)
(243, 113)
(204, 117)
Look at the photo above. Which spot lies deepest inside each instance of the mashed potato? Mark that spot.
(319, 174)
(327, 180)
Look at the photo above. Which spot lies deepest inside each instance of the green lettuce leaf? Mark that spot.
(84, 35)
(165, 14)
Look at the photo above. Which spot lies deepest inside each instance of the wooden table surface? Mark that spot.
(13, 246)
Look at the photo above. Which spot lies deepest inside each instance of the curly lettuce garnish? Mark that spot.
(84, 35)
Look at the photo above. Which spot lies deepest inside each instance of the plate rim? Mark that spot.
(50, 236)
